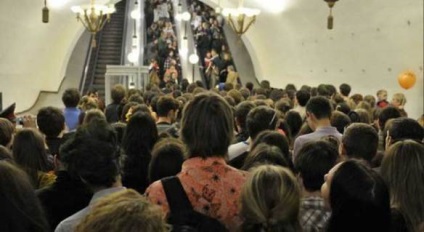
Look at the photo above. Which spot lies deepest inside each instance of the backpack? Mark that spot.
(182, 216)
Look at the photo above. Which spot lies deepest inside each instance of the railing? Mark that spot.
(125, 31)
(86, 65)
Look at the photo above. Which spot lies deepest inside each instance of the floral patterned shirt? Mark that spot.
(212, 187)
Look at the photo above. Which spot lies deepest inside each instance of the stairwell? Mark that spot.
(108, 50)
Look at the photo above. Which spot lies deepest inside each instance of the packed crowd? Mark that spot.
(215, 57)
(162, 44)
(237, 159)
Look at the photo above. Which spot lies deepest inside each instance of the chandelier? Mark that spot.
(93, 17)
(241, 18)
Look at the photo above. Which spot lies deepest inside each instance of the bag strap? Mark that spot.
(175, 195)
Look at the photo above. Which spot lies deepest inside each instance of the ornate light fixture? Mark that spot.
(241, 18)
(330, 18)
(93, 17)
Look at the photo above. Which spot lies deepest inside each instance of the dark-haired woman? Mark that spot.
(139, 138)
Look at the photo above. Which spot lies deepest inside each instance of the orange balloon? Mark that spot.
(407, 79)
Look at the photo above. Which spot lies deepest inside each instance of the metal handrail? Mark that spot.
(86, 65)
(124, 32)
(96, 57)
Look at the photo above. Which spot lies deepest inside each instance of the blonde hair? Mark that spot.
(125, 210)
(402, 169)
(270, 200)
(400, 97)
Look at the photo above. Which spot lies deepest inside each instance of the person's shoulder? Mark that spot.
(68, 224)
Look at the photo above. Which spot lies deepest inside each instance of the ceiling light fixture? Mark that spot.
(241, 18)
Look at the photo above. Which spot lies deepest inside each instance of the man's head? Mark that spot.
(405, 128)
(386, 114)
(302, 97)
(318, 108)
(93, 155)
(167, 106)
(345, 89)
(118, 93)
(261, 118)
(314, 160)
(207, 126)
(360, 141)
(50, 121)
(241, 112)
(70, 98)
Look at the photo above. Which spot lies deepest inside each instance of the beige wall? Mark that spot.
(370, 45)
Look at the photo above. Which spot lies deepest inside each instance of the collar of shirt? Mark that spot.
(198, 162)
(326, 128)
(104, 192)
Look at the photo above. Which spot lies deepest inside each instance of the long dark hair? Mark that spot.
(359, 199)
(139, 138)
(30, 154)
(20, 209)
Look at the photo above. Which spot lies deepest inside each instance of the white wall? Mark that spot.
(33, 55)
(371, 43)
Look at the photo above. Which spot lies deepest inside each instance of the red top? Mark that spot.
(212, 187)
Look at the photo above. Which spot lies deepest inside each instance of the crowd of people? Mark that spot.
(247, 159)
(211, 44)
(162, 44)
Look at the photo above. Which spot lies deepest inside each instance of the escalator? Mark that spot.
(107, 52)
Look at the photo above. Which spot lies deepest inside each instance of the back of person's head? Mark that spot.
(140, 136)
(302, 97)
(406, 128)
(283, 105)
(30, 154)
(386, 114)
(5, 154)
(241, 112)
(230, 101)
(87, 103)
(274, 138)
(118, 93)
(265, 154)
(265, 84)
(7, 129)
(270, 200)
(20, 209)
(276, 94)
(191, 87)
(93, 114)
(211, 111)
(357, 98)
(249, 86)
(92, 155)
(402, 169)
(136, 98)
(167, 158)
(343, 107)
(132, 92)
(315, 159)
(165, 104)
(370, 99)
(245, 92)
(50, 121)
(360, 141)
(359, 199)
(294, 121)
(125, 210)
(363, 116)
(71, 97)
(261, 118)
(320, 107)
(236, 95)
(323, 91)
(345, 89)
(340, 121)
